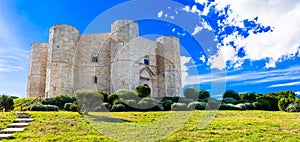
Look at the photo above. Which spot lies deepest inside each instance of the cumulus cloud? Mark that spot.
(184, 69)
(281, 44)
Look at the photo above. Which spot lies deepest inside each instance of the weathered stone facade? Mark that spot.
(106, 62)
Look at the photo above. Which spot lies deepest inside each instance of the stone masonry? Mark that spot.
(106, 62)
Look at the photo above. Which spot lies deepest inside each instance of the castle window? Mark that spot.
(146, 60)
(95, 59)
(95, 79)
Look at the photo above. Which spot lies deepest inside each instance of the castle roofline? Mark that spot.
(65, 25)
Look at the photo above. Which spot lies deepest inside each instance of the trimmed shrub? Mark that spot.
(283, 103)
(67, 106)
(167, 104)
(103, 96)
(7, 102)
(272, 100)
(228, 107)
(231, 94)
(131, 105)
(111, 98)
(179, 107)
(203, 94)
(230, 101)
(249, 106)
(143, 91)
(40, 107)
(293, 107)
(61, 100)
(191, 93)
(147, 103)
(262, 104)
(185, 100)
(118, 108)
(197, 106)
(74, 107)
(248, 96)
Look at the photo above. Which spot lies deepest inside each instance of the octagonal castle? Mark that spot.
(106, 62)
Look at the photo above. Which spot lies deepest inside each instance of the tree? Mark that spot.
(191, 93)
(6, 102)
(143, 91)
(248, 96)
(231, 94)
(203, 94)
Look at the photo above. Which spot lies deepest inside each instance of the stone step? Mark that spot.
(2, 136)
(22, 120)
(11, 130)
(23, 115)
(17, 125)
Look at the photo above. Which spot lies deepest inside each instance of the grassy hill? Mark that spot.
(131, 126)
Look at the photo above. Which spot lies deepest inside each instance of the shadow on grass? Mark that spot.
(106, 119)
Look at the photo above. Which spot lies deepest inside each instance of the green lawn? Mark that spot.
(6, 118)
(162, 126)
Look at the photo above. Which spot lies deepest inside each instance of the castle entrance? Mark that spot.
(146, 79)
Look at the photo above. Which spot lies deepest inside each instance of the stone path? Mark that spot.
(19, 125)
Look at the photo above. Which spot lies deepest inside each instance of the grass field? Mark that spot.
(150, 126)
(6, 118)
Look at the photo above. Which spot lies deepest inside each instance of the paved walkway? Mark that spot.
(19, 125)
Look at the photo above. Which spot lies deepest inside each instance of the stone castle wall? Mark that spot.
(106, 62)
(37, 70)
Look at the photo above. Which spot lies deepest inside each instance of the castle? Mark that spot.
(106, 62)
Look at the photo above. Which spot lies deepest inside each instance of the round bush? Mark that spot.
(74, 107)
(293, 107)
(230, 101)
(203, 94)
(143, 91)
(67, 106)
(118, 108)
(231, 94)
(147, 103)
(283, 103)
(197, 106)
(131, 104)
(7, 102)
(272, 100)
(179, 107)
(167, 104)
(262, 104)
(228, 107)
(185, 100)
(40, 107)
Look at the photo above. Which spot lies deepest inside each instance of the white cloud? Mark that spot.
(194, 9)
(159, 14)
(285, 84)
(254, 77)
(284, 16)
(184, 69)
(197, 29)
(297, 93)
(281, 44)
(202, 58)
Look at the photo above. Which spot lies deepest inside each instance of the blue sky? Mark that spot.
(247, 46)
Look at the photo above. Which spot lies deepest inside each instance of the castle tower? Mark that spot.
(168, 66)
(60, 63)
(124, 67)
(37, 70)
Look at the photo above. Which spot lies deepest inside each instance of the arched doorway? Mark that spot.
(146, 78)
